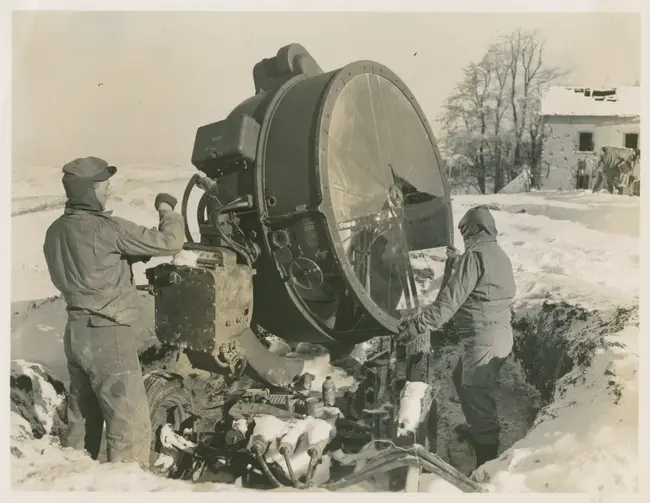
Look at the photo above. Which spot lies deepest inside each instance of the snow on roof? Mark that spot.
(624, 101)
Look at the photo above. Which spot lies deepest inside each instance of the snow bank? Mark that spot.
(39, 397)
(586, 440)
(42, 465)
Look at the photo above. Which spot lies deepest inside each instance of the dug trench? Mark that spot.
(555, 343)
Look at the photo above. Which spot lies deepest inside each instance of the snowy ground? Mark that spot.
(579, 248)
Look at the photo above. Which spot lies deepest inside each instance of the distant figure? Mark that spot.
(626, 178)
(582, 177)
(599, 171)
(636, 174)
(613, 165)
(89, 255)
(478, 297)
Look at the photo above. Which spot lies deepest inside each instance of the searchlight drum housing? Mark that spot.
(326, 181)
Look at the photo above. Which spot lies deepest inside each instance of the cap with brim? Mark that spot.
(89, 168)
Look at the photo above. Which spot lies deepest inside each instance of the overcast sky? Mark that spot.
(133, 87)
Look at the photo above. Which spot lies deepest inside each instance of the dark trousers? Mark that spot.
(582, 182)
(106, 385)
(478, 401)
(601, 178)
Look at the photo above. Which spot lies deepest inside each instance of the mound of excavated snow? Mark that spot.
(39, 462)
(586, 440)
(42, 465)
(38, 398)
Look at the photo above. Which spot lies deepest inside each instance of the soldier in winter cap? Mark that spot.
(89, 254)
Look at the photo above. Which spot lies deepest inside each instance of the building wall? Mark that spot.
(560, 156)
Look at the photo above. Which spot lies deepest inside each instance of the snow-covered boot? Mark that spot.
(464, 431)
(485, 453)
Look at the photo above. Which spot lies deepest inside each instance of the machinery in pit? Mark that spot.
(314, 192)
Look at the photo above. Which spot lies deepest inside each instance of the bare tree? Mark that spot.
(537, 131)
(528, 78)
(492, 120)
(493, 60)
(466, 117)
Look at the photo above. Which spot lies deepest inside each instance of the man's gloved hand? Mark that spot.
(453, 252)
(135, 260)
(408, 329)
(452, 256)
(163, 200)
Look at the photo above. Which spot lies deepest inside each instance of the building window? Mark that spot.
(632, 140)
(586, 142)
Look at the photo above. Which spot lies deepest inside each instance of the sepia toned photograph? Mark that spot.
(325, 251)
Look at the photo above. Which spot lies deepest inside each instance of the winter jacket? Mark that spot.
(615, 161)
(89, 254)
(482, 286)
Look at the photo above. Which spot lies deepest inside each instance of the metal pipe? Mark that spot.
(287, 460)
(385, 465)
(269, 367)
(443, 469)
(395, 457)
(239, 203)
(286, 453)
(184, 202)
(449, 470)
(265, 469)
(389, 464)
(313, 461)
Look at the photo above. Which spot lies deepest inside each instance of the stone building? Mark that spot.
(579, 121)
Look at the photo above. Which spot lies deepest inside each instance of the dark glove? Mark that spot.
(453, 252)
(135, 260)
(408, 329)
(453, 255)
(165, 198)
